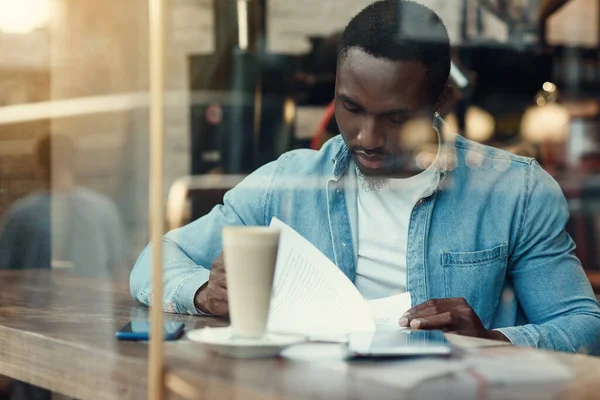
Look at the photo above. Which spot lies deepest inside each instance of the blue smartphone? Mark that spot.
(140, 330)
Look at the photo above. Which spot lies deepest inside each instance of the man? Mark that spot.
(477, 238)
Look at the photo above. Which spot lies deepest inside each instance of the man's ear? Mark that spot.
(446, 99)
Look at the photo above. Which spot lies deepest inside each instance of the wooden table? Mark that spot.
(57, 332)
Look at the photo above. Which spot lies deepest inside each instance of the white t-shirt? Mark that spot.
(384, 210)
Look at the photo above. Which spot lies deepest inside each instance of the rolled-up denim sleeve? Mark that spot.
(549, 281)
(188, 252)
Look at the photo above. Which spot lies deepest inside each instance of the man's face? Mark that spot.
(376, 100)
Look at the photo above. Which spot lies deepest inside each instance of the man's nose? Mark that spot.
(368, 136)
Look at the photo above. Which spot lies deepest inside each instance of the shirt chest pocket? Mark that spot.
(478, 277)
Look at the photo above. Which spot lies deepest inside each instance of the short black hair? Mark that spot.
(401, 30)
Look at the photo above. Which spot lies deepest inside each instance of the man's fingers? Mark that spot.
(217, 273)
(217, 293)
(219, 263)
(439, 303)
(430, 311)
(219, 279)
(217, 301)
(440, 321)
(406, 319)
(218, 266)
(219, 308)
(428, 304)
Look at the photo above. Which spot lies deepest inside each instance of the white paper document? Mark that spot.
(386, 312)
(313, 297)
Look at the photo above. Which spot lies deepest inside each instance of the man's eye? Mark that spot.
(397, 119)
(350, 107)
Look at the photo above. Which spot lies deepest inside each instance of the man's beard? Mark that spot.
(371, 184)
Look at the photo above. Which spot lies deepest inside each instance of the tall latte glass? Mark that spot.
(250, 254)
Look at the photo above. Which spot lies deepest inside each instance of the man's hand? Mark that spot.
(211, 298)
(448, 315)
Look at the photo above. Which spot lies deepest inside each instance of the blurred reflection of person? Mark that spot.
(62, 225)
(65, 226)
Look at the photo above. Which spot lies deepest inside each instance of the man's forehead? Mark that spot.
(363, 75)
(356, 57)
(356, 64)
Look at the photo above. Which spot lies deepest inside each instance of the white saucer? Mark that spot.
(222, 341)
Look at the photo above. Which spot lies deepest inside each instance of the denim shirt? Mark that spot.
(490, 230)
